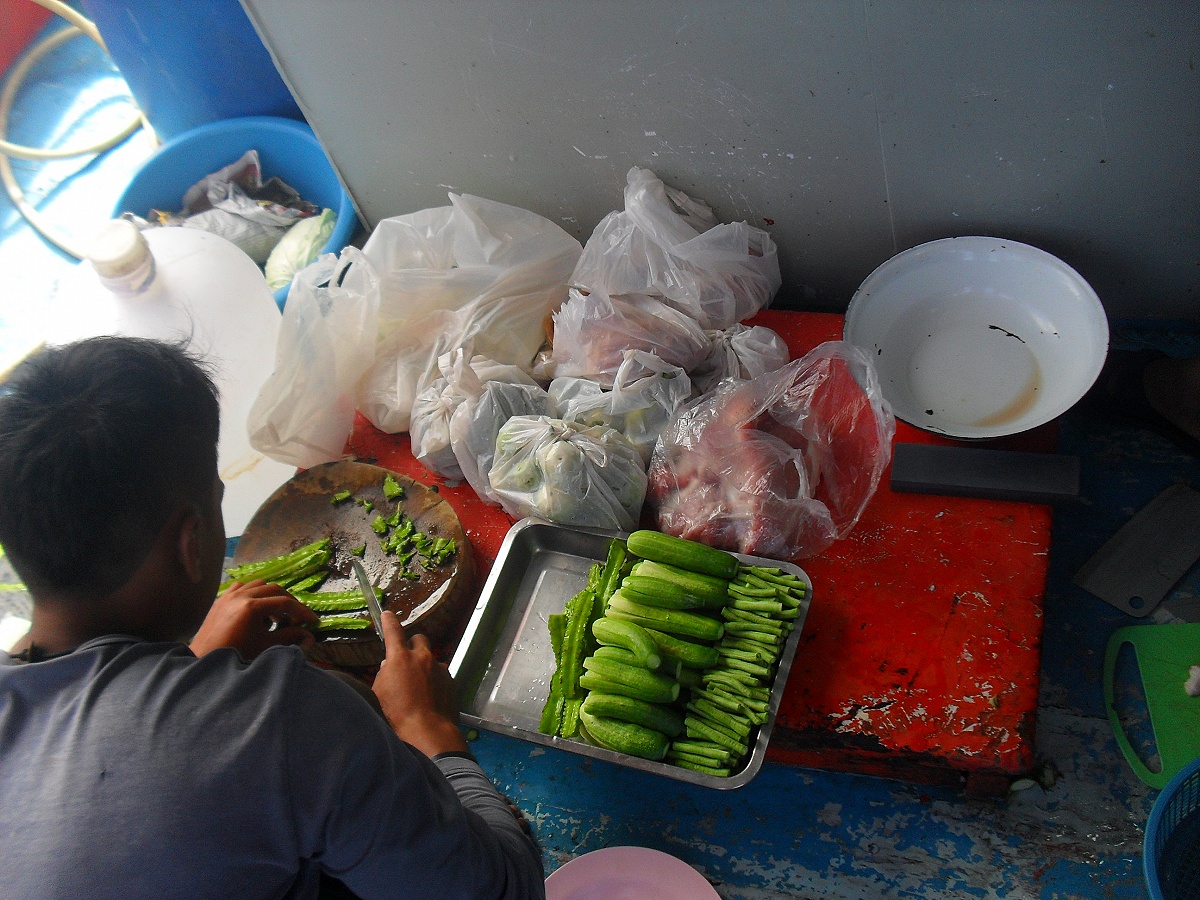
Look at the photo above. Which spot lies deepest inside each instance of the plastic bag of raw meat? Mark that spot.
(593, 331)
(779, 466)
(568, 474)
(740, 351)
(669, 245)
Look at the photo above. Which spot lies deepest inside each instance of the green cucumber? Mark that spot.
(636, 682)
(691, 654)
(633, 638)
(658, 592)
(666, 665)
(628, 709)
(682, 553)
(625, 737)
(672, 621)
(713, 591)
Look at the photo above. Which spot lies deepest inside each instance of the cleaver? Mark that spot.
(368, 590)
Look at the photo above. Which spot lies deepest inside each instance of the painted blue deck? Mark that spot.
(791, 832)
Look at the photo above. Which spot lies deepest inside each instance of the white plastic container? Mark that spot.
(183, 284)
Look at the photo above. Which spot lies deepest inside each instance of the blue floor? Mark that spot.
(1074, 832)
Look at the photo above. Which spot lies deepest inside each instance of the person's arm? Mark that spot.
(378, 813)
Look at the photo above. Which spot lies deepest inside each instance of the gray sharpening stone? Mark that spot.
(1140, 564)
(981, 472)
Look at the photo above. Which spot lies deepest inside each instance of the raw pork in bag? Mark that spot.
(305, 411)
(780, 466)
(593, 331)
(463, 376)
(666, 244)
(476, 271)
(568, 474)
(740, 351)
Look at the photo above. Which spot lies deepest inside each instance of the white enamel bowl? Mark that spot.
(979, 337)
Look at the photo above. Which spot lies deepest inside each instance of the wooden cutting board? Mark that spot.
(436, 604)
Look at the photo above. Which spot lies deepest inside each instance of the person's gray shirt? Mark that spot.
(130, 769)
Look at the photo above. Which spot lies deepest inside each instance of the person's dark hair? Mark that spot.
(100, 442)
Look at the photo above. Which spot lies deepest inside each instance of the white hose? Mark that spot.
(79, 25)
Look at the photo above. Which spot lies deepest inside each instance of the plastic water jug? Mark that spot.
(186, 285)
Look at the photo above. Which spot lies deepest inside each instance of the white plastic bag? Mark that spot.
(476, 271)
(593, 331)
(780, 466)
(305, 411)
(740, 351)
(668, 245)
(645, 395)
(568, 474)
(462, 379)
(476, 423)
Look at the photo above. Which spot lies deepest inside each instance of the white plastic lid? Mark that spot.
(117, 249)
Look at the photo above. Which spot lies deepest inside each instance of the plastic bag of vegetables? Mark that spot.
(463, 376)
(476, 423)
(568, 473)
(646, 393)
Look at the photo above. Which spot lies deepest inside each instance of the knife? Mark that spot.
(373, 606)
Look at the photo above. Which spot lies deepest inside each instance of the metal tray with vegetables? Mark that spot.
(642, 649)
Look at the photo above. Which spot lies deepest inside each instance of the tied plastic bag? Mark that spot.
(593, 331)
(740, 351)
(476, 271)
(305, 411)
(780, 466)
(668, 245)
(461, 383)
(476, 424)
(646, 393)
(567, 473)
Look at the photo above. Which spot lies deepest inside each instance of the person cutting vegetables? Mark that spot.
(136, 764)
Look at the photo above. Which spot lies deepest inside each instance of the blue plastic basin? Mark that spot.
(286, 149)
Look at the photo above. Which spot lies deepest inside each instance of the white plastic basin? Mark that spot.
(979, 337)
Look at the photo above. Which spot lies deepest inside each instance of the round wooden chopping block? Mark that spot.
(436, 604)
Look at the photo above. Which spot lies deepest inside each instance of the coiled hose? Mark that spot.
(80, 25)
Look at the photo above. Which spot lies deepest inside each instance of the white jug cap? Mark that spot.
(117, 249)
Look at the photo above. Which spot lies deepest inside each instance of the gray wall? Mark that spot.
(851, 130)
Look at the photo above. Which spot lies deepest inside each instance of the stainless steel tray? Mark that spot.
(504, 661)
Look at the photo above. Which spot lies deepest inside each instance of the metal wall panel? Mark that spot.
(850, 130)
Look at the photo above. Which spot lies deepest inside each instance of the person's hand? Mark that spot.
(416, 692)
(253, 616)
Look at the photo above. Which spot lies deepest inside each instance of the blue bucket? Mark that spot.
(1171, 852)
(286, 149)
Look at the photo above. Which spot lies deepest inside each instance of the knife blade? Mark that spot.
(368, 590)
